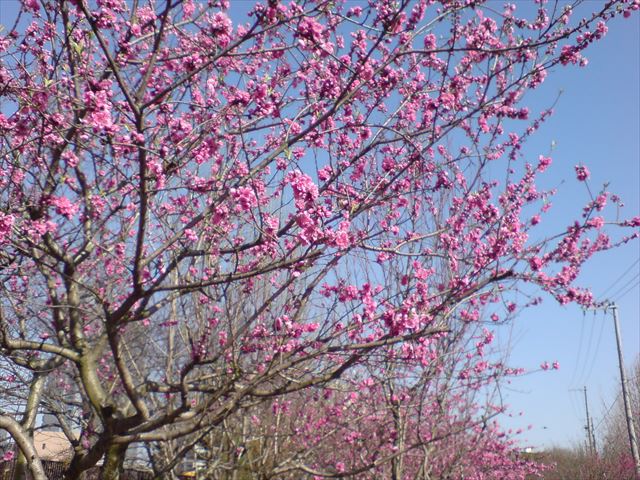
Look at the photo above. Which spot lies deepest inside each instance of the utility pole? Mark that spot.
(587, 427)
(625, 394)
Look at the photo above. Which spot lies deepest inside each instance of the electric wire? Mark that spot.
(601, 296)
(588, 350)
(620, 292)
(572, 400)
(627, 291)
(594, 358)
(606, 414)
(624, 287)
(577, 362)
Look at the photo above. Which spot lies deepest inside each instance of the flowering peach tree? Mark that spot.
(211, 220)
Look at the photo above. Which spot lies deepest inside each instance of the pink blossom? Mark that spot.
(6, 222)
(325, 173)
(309, 226)
(535, 263)
(341, 239)
(582, 173)
(354, 12)
(99, 108)
(246, 199)
(596, 222)
(305, 191)
(38, 228)
(600, 202)
(570, 54)
(32, 5)
(543, 163)
(64, 206)
(429, 41)
(191, 235)
(310, 28)
(221, 24)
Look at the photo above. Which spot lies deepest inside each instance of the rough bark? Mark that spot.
(114, 462)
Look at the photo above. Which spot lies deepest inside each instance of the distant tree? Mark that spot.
(616, 452)
(570, 463)
(201, 218)
(613, 459)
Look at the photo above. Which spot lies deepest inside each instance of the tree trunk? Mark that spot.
(114, 462)
(28, 423)
(20, 468)
(25, 444)
(397, 461)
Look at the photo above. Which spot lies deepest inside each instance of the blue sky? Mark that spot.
(596, 122)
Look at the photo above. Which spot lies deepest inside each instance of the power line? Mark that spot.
(595, 354)
(619, 278)
(572, 400)
(588, 350)
(636, 276)
(627, 290)
(577, 362)
(606, 414)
